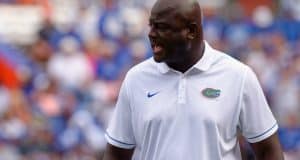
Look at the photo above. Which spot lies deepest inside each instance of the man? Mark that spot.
(189, 101)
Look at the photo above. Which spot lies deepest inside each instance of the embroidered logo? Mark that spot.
(149, 95)
(211, 93)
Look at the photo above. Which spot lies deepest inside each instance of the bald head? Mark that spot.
(187, 10)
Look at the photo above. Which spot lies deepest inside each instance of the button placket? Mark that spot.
(182, 90)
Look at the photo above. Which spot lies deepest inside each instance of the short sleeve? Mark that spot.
(256, 120)
(120, 132)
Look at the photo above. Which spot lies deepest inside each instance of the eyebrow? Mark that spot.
(160, 21)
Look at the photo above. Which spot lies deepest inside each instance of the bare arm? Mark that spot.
(115, 153)
(268, 149)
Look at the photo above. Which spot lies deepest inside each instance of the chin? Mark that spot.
(158, 59)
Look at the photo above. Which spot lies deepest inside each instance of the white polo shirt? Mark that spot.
(167, 115)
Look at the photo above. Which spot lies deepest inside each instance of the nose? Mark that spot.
(152, 33)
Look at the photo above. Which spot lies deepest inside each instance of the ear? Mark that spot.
(193, 31)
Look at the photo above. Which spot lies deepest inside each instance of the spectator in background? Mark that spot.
(40, 53)
(289, 26)
(13, 125)
(49, 33)
(286, 98)
(69, 66)
(263, 21)
(56, 105)
(237, 31)
(93, 49)
(107, 68)
(115, 60)
(214, 27)
(110, 22)
(271, 50)
(293, 6)
(87, 22)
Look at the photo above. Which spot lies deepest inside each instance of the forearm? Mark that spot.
(114, 153)
(268, 149)
(108, 155)
(269, 155)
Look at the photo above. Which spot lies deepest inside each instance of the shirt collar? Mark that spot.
(202, 65)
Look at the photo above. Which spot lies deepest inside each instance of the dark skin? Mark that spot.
(176, 30)
(115, 153)
(176, 37)
(269, 148)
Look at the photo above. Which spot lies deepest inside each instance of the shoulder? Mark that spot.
(143, 69)
(229, 64)
(146, 66)
(229, 69)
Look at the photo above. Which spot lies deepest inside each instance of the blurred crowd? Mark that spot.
(58, 87)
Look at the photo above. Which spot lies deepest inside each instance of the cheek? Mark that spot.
(178, 39)
(172, 39)
(180, 44)
(174, 42)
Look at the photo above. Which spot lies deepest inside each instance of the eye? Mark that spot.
(162, 26)
(159, 26)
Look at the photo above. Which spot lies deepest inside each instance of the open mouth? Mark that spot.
(157, 48)
(158, 52)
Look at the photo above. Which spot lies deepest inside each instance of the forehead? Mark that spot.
(163, 9)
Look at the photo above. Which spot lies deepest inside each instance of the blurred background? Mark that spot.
(62, 63)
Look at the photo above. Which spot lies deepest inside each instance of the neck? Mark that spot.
(190, 60)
